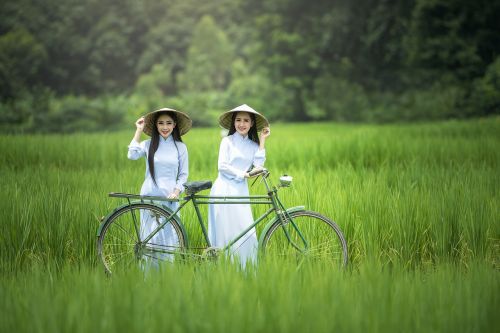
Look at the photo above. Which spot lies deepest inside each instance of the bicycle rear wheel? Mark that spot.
(121, 246)
(311, 236)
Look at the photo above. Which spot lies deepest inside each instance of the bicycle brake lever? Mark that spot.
(254, 181)
(261, 179)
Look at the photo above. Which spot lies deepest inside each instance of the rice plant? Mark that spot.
(419, 205)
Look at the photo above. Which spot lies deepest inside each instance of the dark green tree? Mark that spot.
(452, 40)
(208, 59)
(21, 59)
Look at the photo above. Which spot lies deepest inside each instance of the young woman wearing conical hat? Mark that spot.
(241, 150)
(166, 164)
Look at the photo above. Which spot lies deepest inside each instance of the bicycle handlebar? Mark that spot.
(257, 172)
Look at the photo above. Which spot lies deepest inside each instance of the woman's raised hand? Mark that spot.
(140, 123)
(265, 132)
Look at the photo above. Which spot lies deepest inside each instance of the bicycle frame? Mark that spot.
(271, 199)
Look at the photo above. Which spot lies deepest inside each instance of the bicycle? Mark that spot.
(290, 233)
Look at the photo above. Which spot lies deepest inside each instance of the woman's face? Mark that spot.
(165, 125)
(243, 122)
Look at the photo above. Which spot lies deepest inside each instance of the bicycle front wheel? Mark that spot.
(306, 235)
(121, 243)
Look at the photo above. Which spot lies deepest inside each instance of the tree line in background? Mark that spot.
(68, 65)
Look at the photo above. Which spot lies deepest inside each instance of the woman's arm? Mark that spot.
(260, 155)
(137, 150)
(259, 158)
(264, 134)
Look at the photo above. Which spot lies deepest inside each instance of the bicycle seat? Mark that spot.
(195, 187)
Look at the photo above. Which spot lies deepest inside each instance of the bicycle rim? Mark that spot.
(120, 244)
(313, 237)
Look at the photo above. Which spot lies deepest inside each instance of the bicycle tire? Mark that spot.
(324, 238)
(119, 244)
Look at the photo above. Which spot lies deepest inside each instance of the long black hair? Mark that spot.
(155, 139)
(252, 133)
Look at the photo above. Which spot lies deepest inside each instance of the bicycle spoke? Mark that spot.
(117, 257)
(118, 244)
(115, 253)
(120, 240)
(127, 233)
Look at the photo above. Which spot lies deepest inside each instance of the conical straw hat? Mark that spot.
(226, 117)
(184, 123)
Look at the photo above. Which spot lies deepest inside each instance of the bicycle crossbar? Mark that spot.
(205, 199)
(231, 197)
(233, 202)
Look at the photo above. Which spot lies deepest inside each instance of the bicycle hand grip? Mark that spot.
(255, 172)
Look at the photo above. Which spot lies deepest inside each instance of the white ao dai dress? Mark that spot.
(171, 172)
(236, 155)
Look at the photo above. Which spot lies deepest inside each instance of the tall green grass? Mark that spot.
(419, 206)
(217, 297)
(413, 194)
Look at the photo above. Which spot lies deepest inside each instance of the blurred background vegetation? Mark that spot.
(71, 65)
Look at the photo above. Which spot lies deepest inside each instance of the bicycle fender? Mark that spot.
(133, 203)
(105, 219)
(268, 225)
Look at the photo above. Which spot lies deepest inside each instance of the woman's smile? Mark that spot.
(242, 123)
(165, 125)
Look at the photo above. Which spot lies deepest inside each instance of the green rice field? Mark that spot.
(419, 205)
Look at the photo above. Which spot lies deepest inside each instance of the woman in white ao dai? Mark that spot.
(166, 168)
(238, 152)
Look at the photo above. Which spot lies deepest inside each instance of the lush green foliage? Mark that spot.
(418, 204)
(295, 60)
(220, 298)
